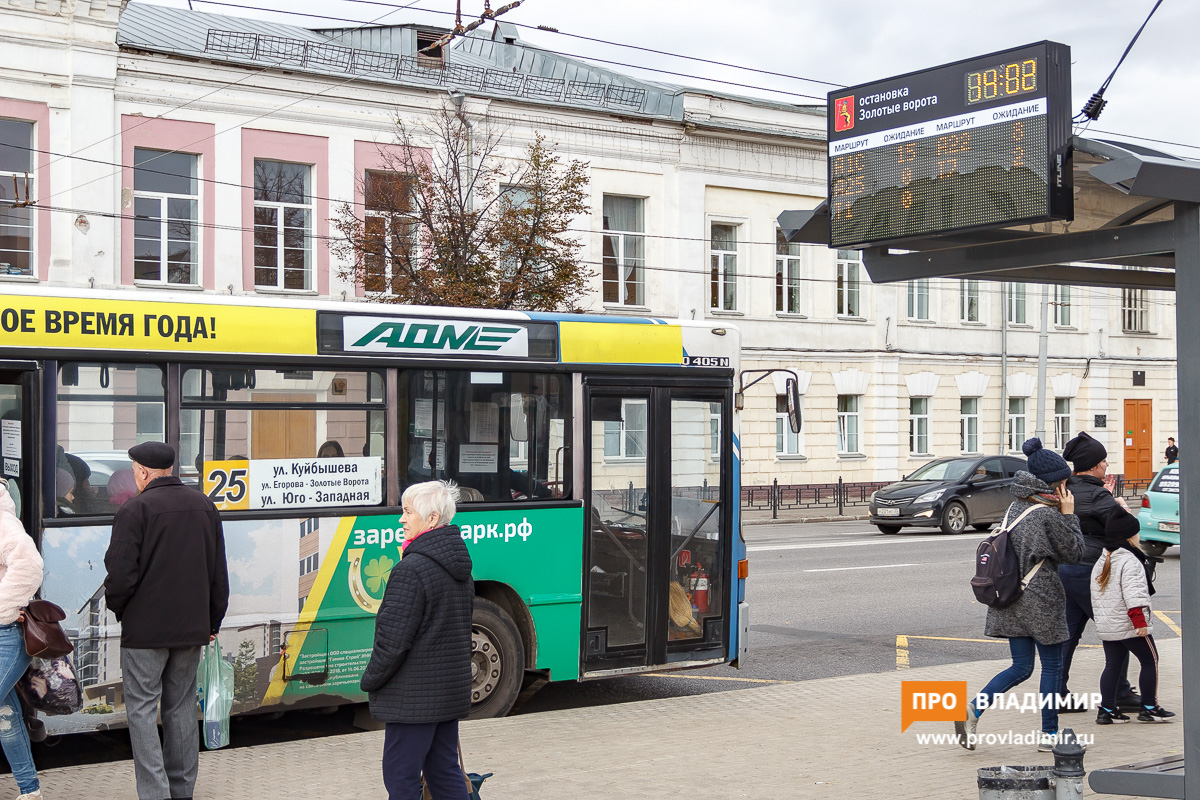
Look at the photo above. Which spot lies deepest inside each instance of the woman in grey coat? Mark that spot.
(1048, 535)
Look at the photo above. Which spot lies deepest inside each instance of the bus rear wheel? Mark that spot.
(497, 661)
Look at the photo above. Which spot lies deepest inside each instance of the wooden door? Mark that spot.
(1139, 440)
(283, 433)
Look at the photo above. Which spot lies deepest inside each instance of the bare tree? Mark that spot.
(458, 224)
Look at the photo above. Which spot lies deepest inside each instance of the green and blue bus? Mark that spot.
(597, 457)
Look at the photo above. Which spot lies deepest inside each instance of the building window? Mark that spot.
(166, 201)
(787, 275)
(1061, 306)
(787, 441)
(918, 299)
(308, 565)
(722, 254)
(918, 425)
(301, 604)
(308, 526)
(1016, 423)
(714, 431)
(282, 225)
(627, 438)
(624, 251)
(1062, 422)
(968, 301)
(16, 224)
(1135, 311)
(390, 231)
(849, 266)
(848, 423)
(968, 424)
(1016, 304)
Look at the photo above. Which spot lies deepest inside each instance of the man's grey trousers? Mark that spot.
(168, 768)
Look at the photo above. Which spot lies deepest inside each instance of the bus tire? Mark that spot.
(497, 661)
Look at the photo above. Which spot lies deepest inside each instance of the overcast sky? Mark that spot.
(1153, 95)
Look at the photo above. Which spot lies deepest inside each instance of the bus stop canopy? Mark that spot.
(1136, 226)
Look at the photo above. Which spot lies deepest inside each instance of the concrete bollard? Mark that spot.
(1016, 783)
(1068, 767)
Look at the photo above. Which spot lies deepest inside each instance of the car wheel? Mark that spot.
(889, 528)
(1154, 548)
(982, 526)
(954, 518)
(497, 661)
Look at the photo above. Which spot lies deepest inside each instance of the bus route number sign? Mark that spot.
(226, 483)
(979, 143)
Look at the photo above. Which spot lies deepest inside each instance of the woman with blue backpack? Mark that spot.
(1043, 532)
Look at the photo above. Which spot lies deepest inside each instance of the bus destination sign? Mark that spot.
(978, 143)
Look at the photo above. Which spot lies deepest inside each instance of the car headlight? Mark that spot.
(873, 496)
(930, 497)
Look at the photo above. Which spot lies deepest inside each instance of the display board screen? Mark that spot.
(978, 143)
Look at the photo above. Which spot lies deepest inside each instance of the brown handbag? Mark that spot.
(44, 637)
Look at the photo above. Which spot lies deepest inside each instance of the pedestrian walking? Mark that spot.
(1045, 534)
(1172, 451)
(1122, 583)
(419, 677)
(168, 586)
(1094, 502)
(20, 578)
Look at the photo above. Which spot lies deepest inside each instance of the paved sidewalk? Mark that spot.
(828, 738)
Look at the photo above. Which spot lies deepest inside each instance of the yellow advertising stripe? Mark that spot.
(620, 343)
(312, 605)
(902, 652)
(73, 322)
(1167, 620)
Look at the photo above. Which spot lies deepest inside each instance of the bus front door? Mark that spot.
(17, 445)
(656, 554)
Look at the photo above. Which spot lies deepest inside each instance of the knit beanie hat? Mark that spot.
(1046, 465)
(1084, 452)
(1119, 527)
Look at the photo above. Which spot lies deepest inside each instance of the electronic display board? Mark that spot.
(982, 142)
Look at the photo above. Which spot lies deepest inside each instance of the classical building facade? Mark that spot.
(177, 151)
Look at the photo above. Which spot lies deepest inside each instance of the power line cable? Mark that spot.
(1096, 103)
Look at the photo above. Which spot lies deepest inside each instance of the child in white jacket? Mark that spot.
(1121, 590)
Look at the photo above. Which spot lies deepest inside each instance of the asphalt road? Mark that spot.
(826, 599)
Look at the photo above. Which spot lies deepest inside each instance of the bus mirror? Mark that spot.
(793, 404)
(739, 401)
(518, 418)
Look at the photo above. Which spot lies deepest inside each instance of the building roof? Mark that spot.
(498, 64)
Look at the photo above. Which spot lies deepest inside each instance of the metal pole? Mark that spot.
(775, 499)
(841, 505)
(1187, 296)
(1003, 366)
(1043, 341)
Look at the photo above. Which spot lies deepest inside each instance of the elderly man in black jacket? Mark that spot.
(1094, 501)
(419, 676)
(168, 585)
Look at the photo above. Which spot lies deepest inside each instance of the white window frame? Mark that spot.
(1063, 422)
(625, 263)
(969, 309)
(850, 425)
(1017, 434)
(1135, 310)
(787, 276)
(1061, 306)
(918, 426)
(6, 179)
(714, 432)
(968, 426)
(280, 229)
(623, 432)
(724, 269)
(918, 300)
(849, 284)
(1017, 301)
(788, 443)
(164, 223)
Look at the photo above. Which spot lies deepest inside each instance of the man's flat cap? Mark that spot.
(155, 455)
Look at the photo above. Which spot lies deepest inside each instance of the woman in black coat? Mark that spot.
(419, 676)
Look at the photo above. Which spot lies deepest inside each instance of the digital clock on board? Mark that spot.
(978, 143)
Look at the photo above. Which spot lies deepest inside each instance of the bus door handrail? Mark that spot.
(695, 530)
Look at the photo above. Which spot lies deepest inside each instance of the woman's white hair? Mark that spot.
(426, 498)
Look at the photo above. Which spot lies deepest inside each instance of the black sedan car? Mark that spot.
(950, 493)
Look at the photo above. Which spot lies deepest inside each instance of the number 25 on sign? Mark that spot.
(226, 484)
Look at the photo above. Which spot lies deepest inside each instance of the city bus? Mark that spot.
(597, 460)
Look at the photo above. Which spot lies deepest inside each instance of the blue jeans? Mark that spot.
(14, 738)
(1022, 648)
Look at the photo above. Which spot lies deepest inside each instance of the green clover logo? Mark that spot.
(377, 573)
